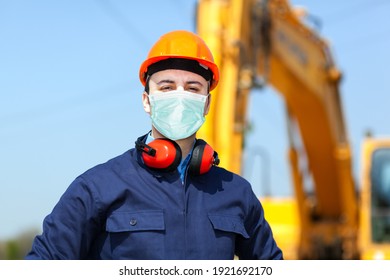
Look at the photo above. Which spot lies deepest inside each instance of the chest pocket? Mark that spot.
(228, 224)
(227, 229)
(137, 235)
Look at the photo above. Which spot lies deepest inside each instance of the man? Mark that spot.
(165, 198)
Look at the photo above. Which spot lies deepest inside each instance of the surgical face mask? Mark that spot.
(177, 114)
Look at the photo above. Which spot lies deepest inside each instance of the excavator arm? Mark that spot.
(255, 40)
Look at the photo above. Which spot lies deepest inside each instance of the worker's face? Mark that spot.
(173, 79)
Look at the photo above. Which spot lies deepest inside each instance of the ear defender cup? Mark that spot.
(162, 154)
(165, 155)
(203, 157)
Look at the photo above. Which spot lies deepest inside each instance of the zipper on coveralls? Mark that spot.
(184, 184)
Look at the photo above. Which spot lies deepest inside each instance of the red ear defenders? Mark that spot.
(165, 155)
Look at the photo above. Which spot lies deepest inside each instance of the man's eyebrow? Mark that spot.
(194, 82)
(165, 81)
(168, 81)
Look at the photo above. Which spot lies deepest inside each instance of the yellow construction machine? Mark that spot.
(268, 40)
(374, 232)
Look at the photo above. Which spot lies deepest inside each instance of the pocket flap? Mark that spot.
(135, 221)
(228, 223)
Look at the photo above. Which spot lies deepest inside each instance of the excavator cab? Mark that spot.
(380, 196)
(375, 200)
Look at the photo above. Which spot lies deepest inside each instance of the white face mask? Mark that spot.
(177, 114)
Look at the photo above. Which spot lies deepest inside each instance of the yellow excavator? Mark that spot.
(268, 40)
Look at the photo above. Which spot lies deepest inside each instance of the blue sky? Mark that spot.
(70, 97)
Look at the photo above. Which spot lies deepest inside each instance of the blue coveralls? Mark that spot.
(123, 210)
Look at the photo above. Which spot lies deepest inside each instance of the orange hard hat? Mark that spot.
(181, 44)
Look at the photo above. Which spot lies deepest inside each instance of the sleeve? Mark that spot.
(69, 230)
(261, 244)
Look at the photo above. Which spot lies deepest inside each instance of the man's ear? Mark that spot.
(207, 105)
(145, 102)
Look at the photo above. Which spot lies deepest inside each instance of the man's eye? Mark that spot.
(166, 88)
(193, 89)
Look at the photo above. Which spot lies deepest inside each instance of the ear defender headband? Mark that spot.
(165, 155)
